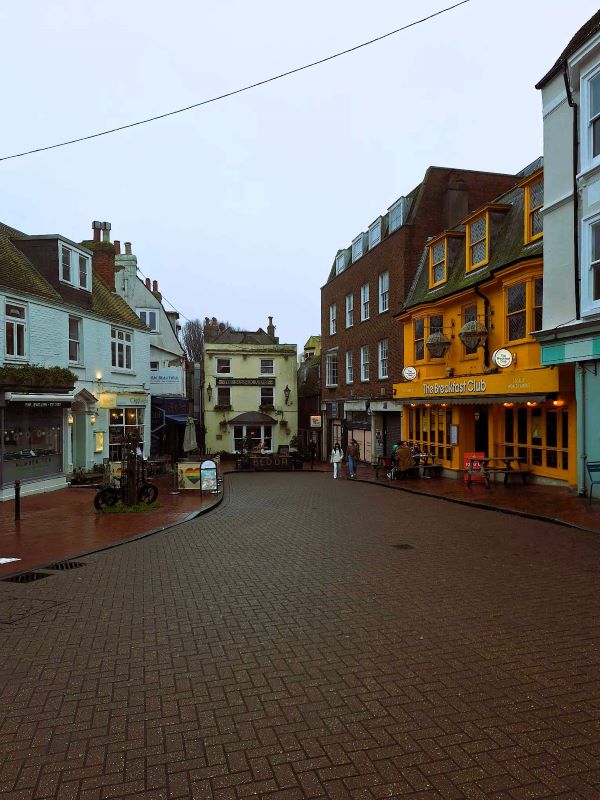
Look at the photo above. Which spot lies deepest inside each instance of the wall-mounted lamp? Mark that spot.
(558, 403)
(508, 405)
(98, 376)
(477, 416)
(286, 393)
(531, 403)
(209, 391)
(93, 419)
(70, 419)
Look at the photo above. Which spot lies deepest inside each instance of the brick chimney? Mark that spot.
(117, 245)
(155, 291)
(103, 260)
(271, 328)
(148, 284)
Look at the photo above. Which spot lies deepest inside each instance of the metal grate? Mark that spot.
(403, 546)
(26, 577)
(60, 565)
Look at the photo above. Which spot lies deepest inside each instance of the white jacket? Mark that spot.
(336, 456)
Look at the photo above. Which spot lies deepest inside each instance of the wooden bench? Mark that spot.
(432, 470)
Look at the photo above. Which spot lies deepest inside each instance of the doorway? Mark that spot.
(481, 430)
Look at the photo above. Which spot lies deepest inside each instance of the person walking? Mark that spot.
(312, 449)
(336, 458)
(352, 454)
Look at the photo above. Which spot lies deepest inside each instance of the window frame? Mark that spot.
(382, 359)
(125, 344)
(365, 300)
(223, 394)
(359, 240)
(416, 339)
(469, 244)
(264, 363)
(78, 341)
(350, 310)
(218, 370)
(433, 264)
(375, 233)
(267, 397)
(528, 212)
(349, 367)
(75, 265)
(364, 364)
(332, 319)
(589, 305)
(147, 312)
(331, 369)
(586, 126)
(395, 213)
(17, 323)
(340, 262)
(384, 292)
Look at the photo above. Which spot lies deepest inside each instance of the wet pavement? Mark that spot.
(310, 638)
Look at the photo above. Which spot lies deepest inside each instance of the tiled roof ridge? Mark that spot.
(587, 30)
(7, 230)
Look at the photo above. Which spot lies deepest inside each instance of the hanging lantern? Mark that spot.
(437, 344)
(473, 334)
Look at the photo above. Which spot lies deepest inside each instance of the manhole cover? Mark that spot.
(403, 546)
(26, 577)
(66, 565)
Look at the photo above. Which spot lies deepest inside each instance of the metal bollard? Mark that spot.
(17, 500)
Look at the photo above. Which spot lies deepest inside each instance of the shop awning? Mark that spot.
(483, 400)
(15, 397)
(180, 419)
(252, 418)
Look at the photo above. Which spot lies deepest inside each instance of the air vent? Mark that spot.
(26, 577)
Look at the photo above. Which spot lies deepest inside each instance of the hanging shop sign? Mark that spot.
(315, 421)
(502, 358)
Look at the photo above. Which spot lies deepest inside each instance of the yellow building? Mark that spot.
(250, 395)
(473, 380)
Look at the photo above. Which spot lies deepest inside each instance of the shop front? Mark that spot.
(122, 415)
(529, 414)
(32, 442)
(169, 417)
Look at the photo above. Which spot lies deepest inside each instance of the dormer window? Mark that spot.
(396, 215)
(534, 200)
(437, 263)
(375, 234)
(477, 242)
(357, 248)
(75, 267)
(340, 262)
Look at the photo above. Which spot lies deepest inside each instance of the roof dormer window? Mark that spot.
(477, 242)
(340, 262)
(375, 233)
(396, 215)
(75, 268)
(533, 202)
(357, 248)
(437, 263)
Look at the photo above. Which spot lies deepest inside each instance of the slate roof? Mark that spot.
(229, 336)
(506, 247)
(18, 274)
(591, 27)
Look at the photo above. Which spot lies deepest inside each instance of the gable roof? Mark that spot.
(506, 247)
(229, 336)
(587, 30)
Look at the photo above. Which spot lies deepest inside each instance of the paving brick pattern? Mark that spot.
(284, 647)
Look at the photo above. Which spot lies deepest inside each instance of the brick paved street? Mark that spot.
(310, 639)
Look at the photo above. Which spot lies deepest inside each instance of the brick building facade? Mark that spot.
(361, 353)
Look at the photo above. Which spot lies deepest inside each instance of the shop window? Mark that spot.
(477, 250)
(120, 348)
(266, 366)
(124, 423)
(349, 310)
(15, 328)
(223, 396)
(266, 396)
(469, 315)
(538, 435)
(247, 437)
(431, 429)
(75, 340)
(223, 366)
(516, 312)
(32, 443)
(419, 337)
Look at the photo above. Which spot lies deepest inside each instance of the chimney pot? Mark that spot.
(127, 248)
(154, 286)
(117, 245)
(105, 236)
(147, 283)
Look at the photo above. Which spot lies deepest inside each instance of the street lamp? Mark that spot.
(209, 391)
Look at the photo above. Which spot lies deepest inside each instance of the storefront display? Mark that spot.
(32, 441)
(122, 423)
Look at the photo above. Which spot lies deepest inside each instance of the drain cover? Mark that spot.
(26, 577)
(66, 565)
(403, 546)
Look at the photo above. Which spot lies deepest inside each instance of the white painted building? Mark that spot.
(56, 310)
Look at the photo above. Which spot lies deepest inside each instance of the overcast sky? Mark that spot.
(238, 208)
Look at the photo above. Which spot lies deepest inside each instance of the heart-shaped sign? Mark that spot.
(192, 474)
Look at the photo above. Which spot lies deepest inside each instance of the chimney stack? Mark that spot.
(271, 328)
(117, 245)
(147, 283)
(154, 287)
(127, 248)
(96, 228)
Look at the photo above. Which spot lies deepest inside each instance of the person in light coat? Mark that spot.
(336, 458)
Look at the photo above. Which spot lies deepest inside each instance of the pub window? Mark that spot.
(437, 263)
(477, 243)
(266, 396)
(539, 435)
(223, 396)
(266, 366)
(534, 200)
(516, 314)
(430, 429)
(538, 293)
(419, 336)
(223, 366)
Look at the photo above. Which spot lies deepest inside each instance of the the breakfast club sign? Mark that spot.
(470, 386)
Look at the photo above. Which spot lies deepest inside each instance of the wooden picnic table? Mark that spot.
(495, 465)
